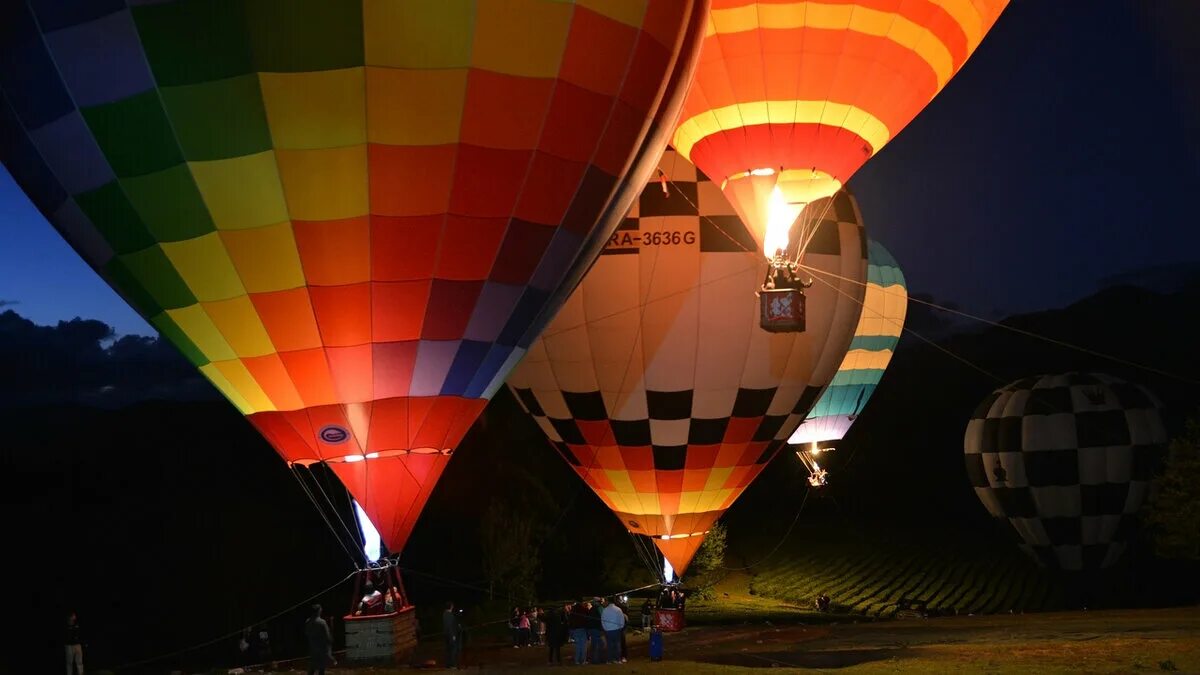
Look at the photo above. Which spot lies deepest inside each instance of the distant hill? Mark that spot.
(1160, 278)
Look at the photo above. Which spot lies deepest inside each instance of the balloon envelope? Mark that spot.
(795, 96)
(1066, 461)
(884, 308)
(348, 215)
(655, 381)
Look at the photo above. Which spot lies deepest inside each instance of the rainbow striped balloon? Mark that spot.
(875, 339)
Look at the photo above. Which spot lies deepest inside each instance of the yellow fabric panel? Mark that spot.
(736, 116)
(238, 321)
(628, 12)
(265, 258)
(689, 502)
(205, 266)
(864, 359)
(198, 326)
(418, 33)
(242, 192)
(516, 37)
(244, 384)
(716, 478)
(226, 387)
(324, 184)
(620, 480)
(317, 109)
(890, 25)
(415, 107)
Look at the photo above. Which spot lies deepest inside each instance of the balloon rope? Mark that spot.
(337, 512)
(904, 328)
(786, 534)
(1026, 333)
(321, 512)
(235, 633)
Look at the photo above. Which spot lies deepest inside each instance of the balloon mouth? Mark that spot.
(681, 536)
(382, 454)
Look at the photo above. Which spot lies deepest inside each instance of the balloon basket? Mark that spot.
(668, 620)
(781, 310)
(382, 639)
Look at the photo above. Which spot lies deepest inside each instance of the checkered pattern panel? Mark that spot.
(1067, 460)
(655, 381)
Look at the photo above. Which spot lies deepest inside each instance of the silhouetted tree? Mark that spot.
(1174, 513)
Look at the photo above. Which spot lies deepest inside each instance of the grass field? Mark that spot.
(868, 575)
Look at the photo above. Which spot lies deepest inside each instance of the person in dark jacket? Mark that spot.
(555, 619)
(452, 635)
(578, 623)
(647, 614)
(596, 650)
(74, 646)
(320, 642)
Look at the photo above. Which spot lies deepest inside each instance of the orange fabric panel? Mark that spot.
(404, 249)
(488, 181)
(574, 113)
(398, 309)
(335, 252)
(309, 371)
(351, 369)
(343, 314)
(393, 368)
(593, 34)
(449, 309)
(469, 247)
(288, 319)
(515, 125)
(272, 376)
(410, 180)
(557, 181)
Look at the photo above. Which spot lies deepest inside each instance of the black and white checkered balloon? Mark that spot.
(1067, 461)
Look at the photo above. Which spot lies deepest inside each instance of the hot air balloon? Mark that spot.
(884, 308)
(350, 216)
(1066, 461)
(792, 96)
(658, 386)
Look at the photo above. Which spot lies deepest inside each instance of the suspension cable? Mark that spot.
(1020, 331)
(237, 632)
(324, 516)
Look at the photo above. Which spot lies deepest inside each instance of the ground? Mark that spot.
(739, 632)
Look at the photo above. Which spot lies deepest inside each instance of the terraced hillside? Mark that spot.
(870, 574)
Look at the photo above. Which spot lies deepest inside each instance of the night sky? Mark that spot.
(1060, 155)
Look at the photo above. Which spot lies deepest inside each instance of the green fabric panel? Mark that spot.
(169, 204)
(134, 135)
(167, 328)
(153, 271)
(304, 35)
(218, 120)
(115, 218)
(121, 277)
(195, 40)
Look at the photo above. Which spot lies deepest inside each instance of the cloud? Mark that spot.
(84, 361)
(8, 303)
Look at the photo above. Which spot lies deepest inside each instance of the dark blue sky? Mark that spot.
(1063, 153)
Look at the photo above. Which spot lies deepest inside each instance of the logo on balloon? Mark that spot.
(333, 434)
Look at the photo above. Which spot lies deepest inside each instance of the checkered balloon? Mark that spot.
(655, 381)
(1066, 461)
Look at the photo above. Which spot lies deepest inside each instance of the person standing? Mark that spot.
(452, 634)
(647, 614)
(554, 623)
(578, 622)
(74, 645)
(613, 621)
(523, 629)
(320, 642)
(595, 631)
